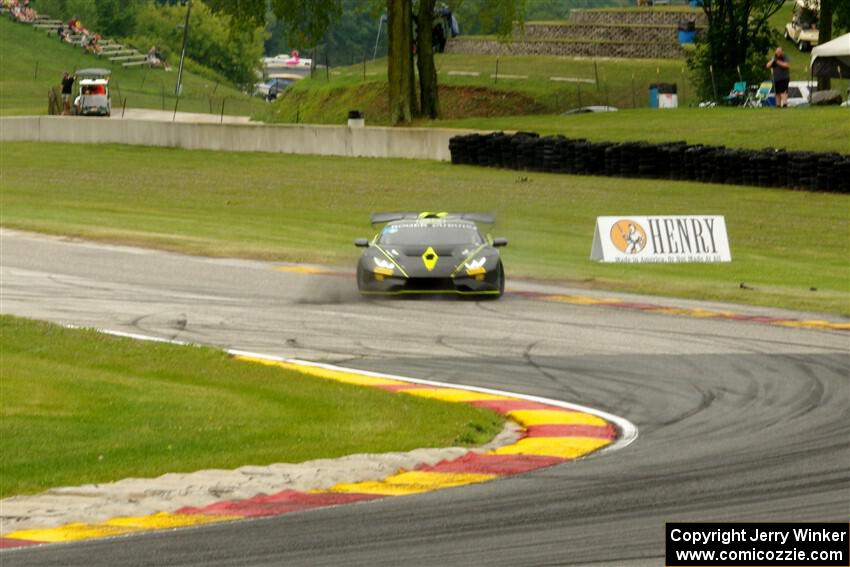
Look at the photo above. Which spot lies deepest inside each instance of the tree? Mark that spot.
(500, 16)
(231, 52)
(400, 60)
(429, 95)
(841, 13)
(734, 44)
(116, 18)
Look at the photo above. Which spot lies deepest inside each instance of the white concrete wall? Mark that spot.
(413, 143)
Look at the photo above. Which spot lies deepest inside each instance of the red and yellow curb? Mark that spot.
(694, 312)
(553, 433)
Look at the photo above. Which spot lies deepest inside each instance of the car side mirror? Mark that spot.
(500, 241)
(361, 242)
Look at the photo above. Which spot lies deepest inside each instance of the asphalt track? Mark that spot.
(738, 421)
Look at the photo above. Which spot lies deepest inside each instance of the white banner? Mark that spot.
(688, 238)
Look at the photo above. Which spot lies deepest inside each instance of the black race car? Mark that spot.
(431, 253)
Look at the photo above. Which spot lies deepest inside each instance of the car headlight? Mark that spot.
(382, 268)
(475, 264)
(475, 267)
(386, 265)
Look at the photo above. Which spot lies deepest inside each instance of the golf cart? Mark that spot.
(93, 98)
(803, 29)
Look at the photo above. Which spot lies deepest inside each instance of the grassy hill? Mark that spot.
(32, 63)
(483, 86)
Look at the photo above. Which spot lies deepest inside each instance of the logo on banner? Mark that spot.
(628, 236)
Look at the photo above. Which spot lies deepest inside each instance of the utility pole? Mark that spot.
(179, 86)
(381, 21)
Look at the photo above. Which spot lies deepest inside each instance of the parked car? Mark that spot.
(273, 86)
(803, 28)
(800, 92)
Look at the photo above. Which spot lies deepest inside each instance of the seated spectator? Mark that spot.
(156, 59)
(64, 34)
(75, 25)
(94, 45)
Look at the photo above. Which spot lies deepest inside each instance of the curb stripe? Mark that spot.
(696, 312)
(487, 463)
(9, 542)
(527, 418)
(560, 430)
(562, 447)
(554, 432)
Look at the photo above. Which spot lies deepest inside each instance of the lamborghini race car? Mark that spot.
(431, 253)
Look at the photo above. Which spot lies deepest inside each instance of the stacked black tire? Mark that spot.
(770, 167)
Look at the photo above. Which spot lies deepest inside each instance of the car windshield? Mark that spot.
(430, 234)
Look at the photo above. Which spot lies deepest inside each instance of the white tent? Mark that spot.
(832, 59)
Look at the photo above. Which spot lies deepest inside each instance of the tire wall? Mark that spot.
(772, 167)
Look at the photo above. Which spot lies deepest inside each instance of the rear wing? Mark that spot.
(478, 218)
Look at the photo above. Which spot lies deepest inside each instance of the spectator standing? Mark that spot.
(781, 67)
(67, 90)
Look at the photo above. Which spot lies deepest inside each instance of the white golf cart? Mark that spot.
(803, 28)
(93, 98)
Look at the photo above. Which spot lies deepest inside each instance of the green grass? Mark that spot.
(33, 63)
(79, 407)
(823, 129)
(327, 98)
(309, 208)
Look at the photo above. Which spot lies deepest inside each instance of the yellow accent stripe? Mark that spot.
(527, 418)
(393, 260)
(327, 374)
(563, 447)
(452, 395)
(413, 482)
(469, 257)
